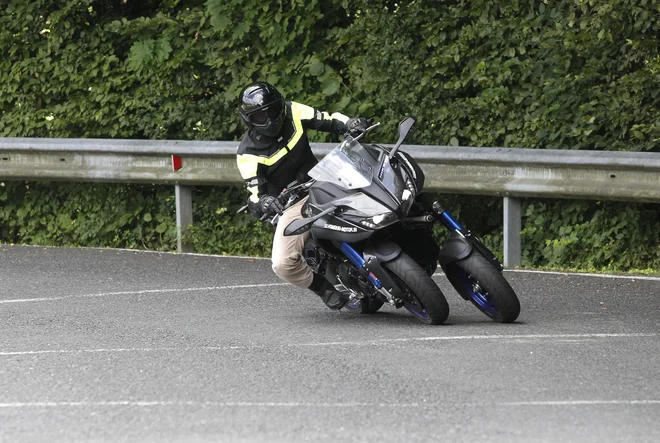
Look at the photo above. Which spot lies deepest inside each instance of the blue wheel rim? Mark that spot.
(417, 310)
(355, 304)
(413, 305)
(480, 298)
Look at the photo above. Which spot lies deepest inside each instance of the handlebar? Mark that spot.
(363, 133)
(288, 197)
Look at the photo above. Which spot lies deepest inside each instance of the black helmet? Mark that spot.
(262, 108)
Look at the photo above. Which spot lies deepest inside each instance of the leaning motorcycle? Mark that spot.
(371, 236)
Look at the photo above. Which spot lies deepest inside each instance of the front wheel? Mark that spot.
(476, 279)
(424, 299)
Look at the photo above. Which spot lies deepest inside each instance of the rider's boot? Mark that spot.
(330, 296)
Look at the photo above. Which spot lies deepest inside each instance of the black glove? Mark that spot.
(270, 205)
(357, 125)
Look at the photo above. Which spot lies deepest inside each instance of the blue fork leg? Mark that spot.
(358, 261)
(450, 222)
(446, 218)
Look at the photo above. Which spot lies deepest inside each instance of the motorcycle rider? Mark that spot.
(274, 152)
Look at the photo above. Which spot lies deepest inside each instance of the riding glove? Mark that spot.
(357, 125)
(270, 205)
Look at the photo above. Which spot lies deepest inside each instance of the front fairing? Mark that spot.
(348, 166)
(361, 180)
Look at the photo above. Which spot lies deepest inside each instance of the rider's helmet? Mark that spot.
(262, 108)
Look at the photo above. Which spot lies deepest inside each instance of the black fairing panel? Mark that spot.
(337, 229)
(322, 193)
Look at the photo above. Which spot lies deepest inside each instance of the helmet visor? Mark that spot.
(261, 116)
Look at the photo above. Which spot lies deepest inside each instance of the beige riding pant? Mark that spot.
(288, 263)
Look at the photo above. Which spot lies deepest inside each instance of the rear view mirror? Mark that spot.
(301, 225)
(404, 128)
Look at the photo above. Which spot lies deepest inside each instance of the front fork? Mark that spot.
(444, 217)
(370, 266)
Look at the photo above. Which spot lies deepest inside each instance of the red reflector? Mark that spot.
(176, 163)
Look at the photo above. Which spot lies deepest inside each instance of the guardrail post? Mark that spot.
(512, 228)
(184, 217)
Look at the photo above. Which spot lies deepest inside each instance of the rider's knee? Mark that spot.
(285, 266)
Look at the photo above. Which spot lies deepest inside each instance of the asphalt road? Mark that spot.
(108, 345)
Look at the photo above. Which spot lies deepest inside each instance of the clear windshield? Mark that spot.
(346, 166)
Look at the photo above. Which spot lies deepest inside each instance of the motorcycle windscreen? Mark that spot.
(347, 166)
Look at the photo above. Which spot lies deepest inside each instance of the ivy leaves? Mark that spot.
(147, 52)
(565, 75)
(578, 75)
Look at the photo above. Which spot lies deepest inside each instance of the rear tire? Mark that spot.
(363, 306)
(425, 299)
(476, 279)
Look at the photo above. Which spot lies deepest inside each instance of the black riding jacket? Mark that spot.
(269, 164)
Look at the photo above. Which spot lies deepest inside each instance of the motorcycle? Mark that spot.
(371, 236)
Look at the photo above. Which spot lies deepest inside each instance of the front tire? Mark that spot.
(425, 300)
(476, 279)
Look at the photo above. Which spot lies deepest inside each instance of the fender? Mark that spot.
(377, 254)
(458, 246)
(384, 251)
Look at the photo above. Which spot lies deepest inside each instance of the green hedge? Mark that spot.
(569, 74)
(604, 236)
(572, 74)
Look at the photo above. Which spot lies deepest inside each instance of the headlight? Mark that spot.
(408, 197)
(378, 220)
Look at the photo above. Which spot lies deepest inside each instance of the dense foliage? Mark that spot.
(566, 74)
(609, 236)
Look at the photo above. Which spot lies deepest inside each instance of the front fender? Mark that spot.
(375, 254)
(458, 246)
(384, 251)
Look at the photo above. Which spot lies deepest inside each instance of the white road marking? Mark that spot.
(586, 274)
(213, 288)
(146, 403)
(143, 251)
(247, 257)
(146, 291)
(159, 291)
(481, 337)
(338, 343)
(574, 274)
(580, 403)
(198, 403)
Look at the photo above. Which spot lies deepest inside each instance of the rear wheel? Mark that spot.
(423, 297)
(363, 305)
(477, 280)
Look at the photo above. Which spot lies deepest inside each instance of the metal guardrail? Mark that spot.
(507, 172)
